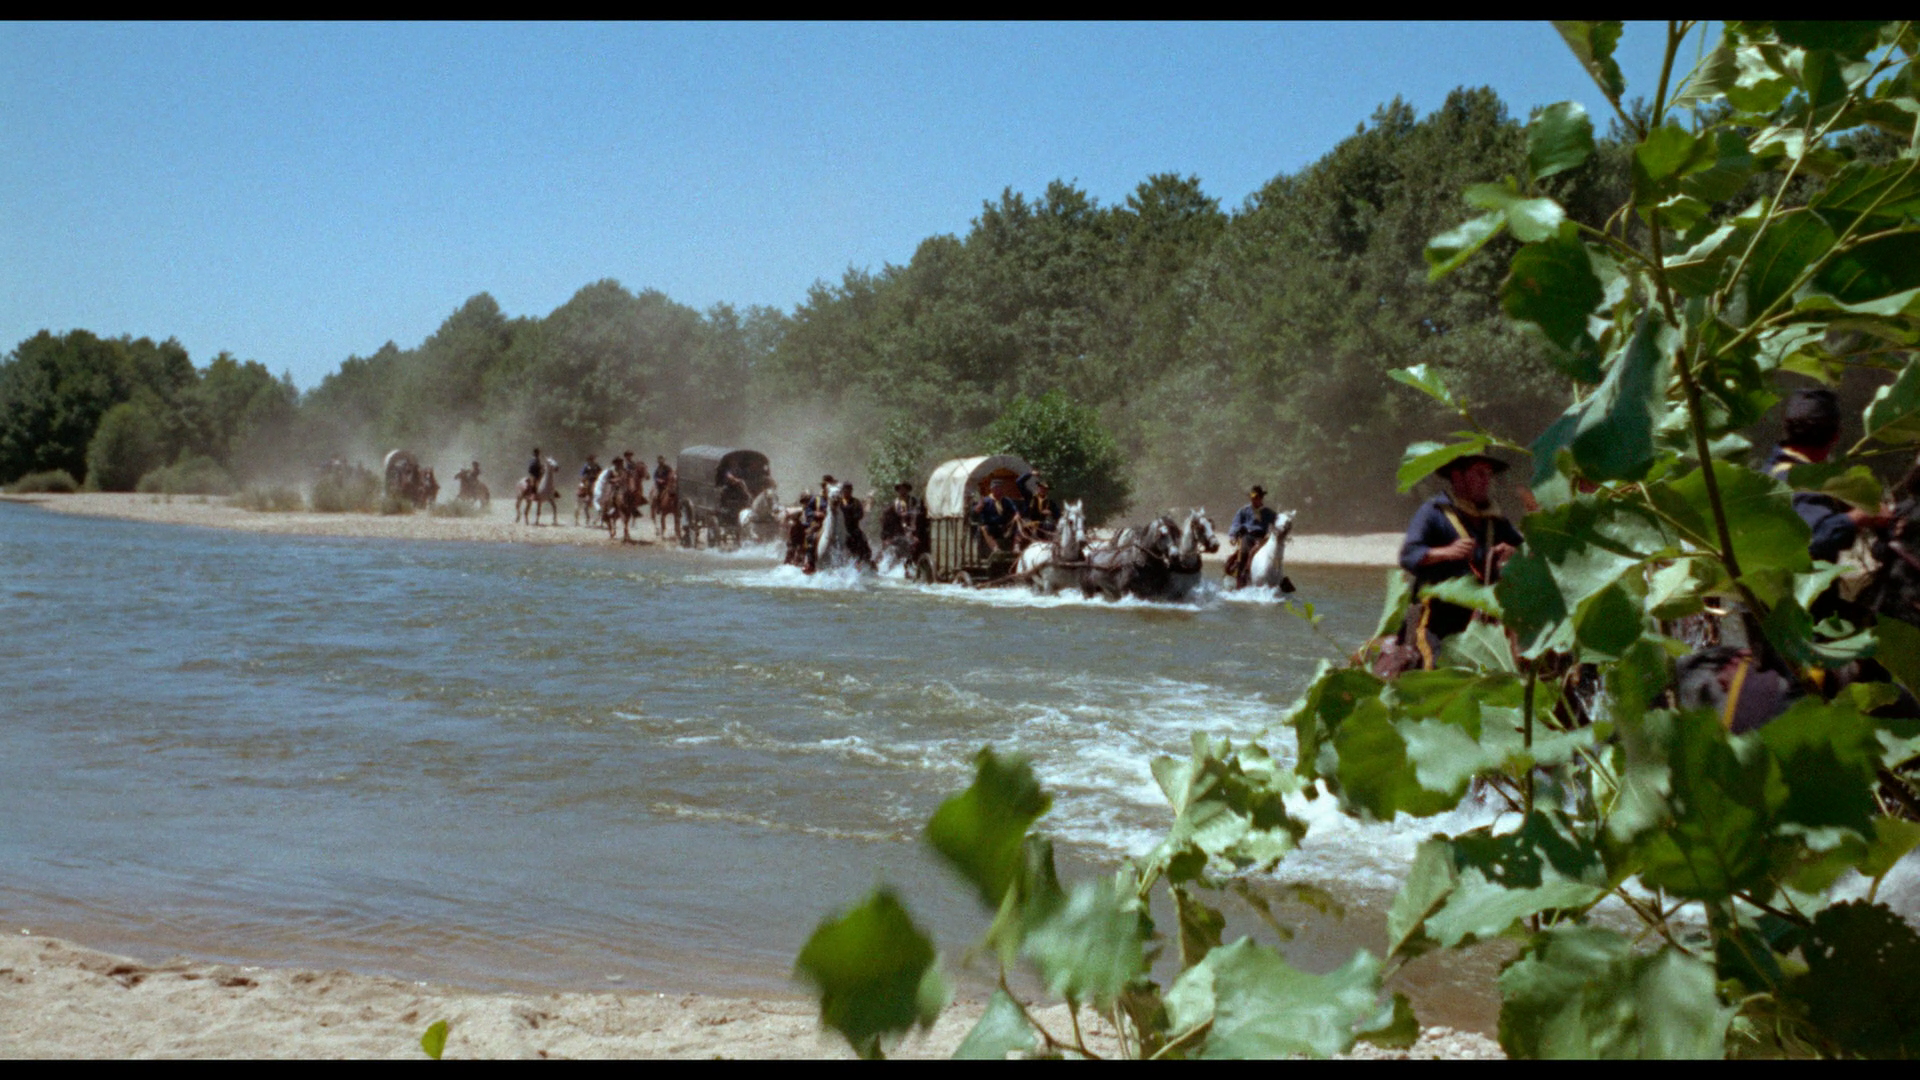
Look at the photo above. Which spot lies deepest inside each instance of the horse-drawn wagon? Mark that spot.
(958, 552)
(406, 480)
(715, 485)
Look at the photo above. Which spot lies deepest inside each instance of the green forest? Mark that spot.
(1206, 349)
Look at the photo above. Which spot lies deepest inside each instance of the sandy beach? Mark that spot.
(61, 1000)
(497, 526)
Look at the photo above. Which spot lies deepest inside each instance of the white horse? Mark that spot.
(1054, 566)
(760, 522)
(1266, 567)
(1196, 536)
(830, 551)
(539, 496)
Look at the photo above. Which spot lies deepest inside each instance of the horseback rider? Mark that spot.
(662, 472)
(590, 471)
(904, 523)
(814, 514)
(1454, 534)
(535, 470)
(851, 511)
(1039, 515)
(1248, 531)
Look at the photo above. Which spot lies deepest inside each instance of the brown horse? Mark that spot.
(666, 506)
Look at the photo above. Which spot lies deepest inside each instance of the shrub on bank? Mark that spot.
(269, 499)
(395, 506)
(346, 490)
(191, 475)
(48, 481)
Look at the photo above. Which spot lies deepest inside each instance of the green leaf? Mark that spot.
(1874, 271)
(1531, 219)
(1262, 1007)
(1482, 645)
(1665, 156)
(1582, 992)
(1446, 252)
(1827, 755)
(1558, 139)
(1593, 44)
(1200, 926)
(1375, 774)
(1608, 622)
(1759, 509)
(1003, 1029)
(875, 972)
(1899, 652)
(1393, 610)
(1479, 886)
(979, 831)
(1222, 808)
(1573, 552)
(1850, 39)
(434, 1039)
(1395, 1027)
(1424, 379)
(1613, 439)
(1789, 245)
(1091, 948)
(1552, 284)
(1855, 485)
(1422, 458)
(1893, 415)
(1335, 694)
(1887, 193)
(1715, 842)
(1859, 989)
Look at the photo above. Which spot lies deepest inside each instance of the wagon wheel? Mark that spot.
(920, 569)
(963, 579)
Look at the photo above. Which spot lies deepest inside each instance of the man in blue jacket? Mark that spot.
(1454, 534)
(1812, 431)
(1250, 526)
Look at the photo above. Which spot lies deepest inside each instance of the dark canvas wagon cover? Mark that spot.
(701, 468)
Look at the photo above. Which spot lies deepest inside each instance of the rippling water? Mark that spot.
(552, 766)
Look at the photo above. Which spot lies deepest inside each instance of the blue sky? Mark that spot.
(297, 194)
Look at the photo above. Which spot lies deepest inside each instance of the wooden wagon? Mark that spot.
(710, 503)
(957, 553)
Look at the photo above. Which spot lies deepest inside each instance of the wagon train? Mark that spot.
(716, 486)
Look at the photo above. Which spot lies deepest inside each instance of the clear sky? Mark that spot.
(297, 194)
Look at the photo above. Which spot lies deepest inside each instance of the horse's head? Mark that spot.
(1200, 529)
(1283, 525)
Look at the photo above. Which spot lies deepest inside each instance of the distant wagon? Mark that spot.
(406, 480)
(957, 553)
(710, 505)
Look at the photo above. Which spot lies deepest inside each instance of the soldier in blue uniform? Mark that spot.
(1812, 431)
(1454, 534)
(1250, 526)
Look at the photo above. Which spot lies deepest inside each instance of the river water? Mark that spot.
(567, 767)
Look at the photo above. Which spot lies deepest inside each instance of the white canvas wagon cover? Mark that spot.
(955, 485)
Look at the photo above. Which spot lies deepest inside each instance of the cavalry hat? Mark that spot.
(1465, 460)
(903, 486)
(1256, 490)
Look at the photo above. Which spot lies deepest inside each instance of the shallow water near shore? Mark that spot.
(518, 766)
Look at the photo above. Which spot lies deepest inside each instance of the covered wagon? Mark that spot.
(958, 551)
(716, 484)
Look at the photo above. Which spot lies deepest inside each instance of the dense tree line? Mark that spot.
(1211, 348)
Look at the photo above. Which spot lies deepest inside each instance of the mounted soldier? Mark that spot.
(1039, 515)
(852, 510)
(1249, 529)
(1452, 535)
(904, 525)
(998, 516)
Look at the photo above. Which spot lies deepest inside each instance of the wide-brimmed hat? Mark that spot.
(1466, 460)
(1256, 490)
(903, 486)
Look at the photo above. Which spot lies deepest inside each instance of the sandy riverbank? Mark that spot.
(497, 526)
(58, 999)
